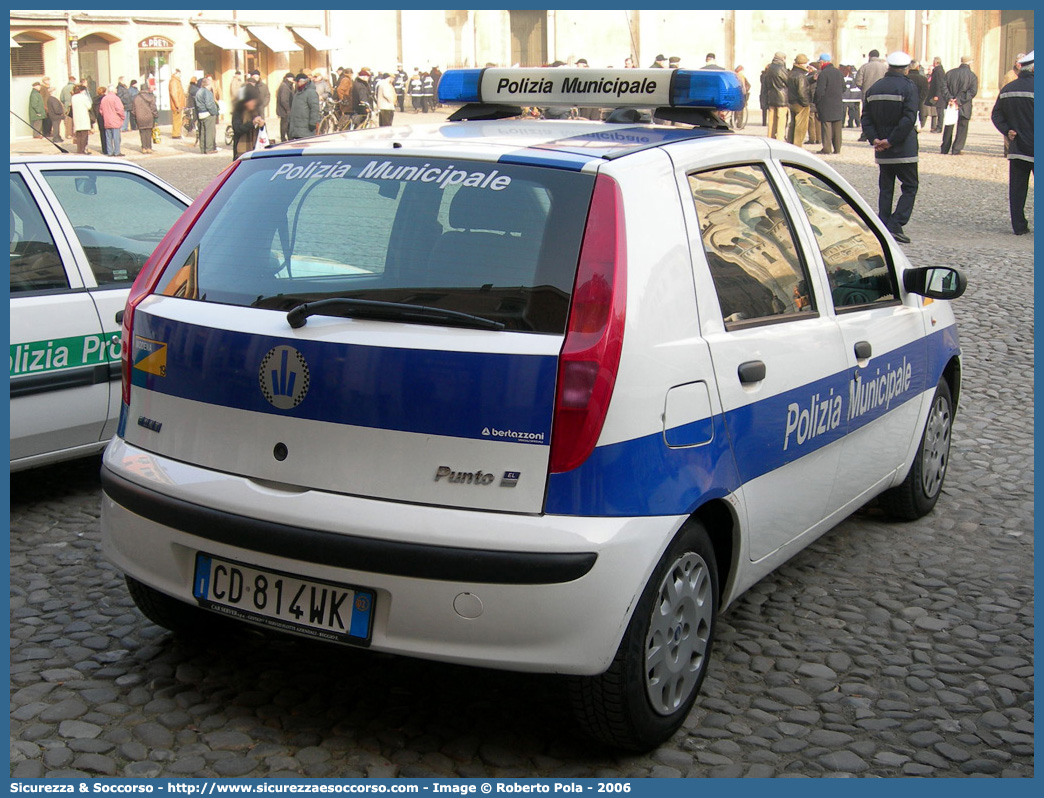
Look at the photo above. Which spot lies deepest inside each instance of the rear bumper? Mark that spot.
(320, 547)
(555, 592)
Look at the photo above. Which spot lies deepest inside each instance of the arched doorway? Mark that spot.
(154, 54)
(208, 62)
(208, 59)
(93, 55)
(528, 38)
(1017, 31)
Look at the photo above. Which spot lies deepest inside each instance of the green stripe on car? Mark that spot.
(57, 354)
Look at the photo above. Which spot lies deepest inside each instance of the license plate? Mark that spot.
(284, 601)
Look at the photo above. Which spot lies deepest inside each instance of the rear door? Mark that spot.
(404, 405)
(777, 353)
(58, 363)
(115, 217)
(884, 343)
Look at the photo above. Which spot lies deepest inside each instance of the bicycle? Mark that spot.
(336, 119)
(738, 119)
(372, 119)
(188, 124)
(331, 118)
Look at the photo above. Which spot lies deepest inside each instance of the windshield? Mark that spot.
(496, 241)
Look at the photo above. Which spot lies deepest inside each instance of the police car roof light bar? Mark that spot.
(707, 89)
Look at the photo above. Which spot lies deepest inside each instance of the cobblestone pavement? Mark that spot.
(884, 649)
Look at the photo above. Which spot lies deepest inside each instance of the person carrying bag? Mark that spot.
(247, 122)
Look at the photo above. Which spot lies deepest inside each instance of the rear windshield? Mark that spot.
(492, 240)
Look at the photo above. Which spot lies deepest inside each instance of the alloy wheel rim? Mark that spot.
(679, 632)
(935, 455)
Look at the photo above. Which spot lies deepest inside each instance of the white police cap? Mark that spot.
(899, 59)
(1027, 59)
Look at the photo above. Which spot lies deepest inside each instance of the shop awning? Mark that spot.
(14, 43)
(316, 38)
(223, 37)
(276, 39)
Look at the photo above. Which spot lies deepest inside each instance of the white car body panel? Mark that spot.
(673, 441)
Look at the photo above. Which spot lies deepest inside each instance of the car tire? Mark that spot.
(916, 495)
(177, 616)
(648, 690)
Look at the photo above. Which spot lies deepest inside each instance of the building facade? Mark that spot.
(147, 45)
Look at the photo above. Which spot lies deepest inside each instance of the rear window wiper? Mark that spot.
(389, 311)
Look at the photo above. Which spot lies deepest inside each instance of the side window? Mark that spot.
(35, 263)
(118, 217)
(856, 265)
(751, 251)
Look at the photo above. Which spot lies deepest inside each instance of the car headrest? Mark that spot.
(482, 209)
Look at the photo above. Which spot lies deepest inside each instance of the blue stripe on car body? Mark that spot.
(637, 477)
(433, 392)
(643, 477)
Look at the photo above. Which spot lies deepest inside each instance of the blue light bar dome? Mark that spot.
(707, 88)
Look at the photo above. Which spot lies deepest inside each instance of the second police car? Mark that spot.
(535, 395)
(81, 228)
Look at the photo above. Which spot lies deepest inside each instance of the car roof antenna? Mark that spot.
(55, 143)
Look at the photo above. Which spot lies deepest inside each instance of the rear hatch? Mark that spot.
(428, 373)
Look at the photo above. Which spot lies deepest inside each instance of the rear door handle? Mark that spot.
(751, 371)
(863, 350)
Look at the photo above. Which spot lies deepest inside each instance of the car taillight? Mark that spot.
(150, 274)
(590, 354)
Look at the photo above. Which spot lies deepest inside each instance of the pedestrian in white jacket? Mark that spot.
(81, 117)
(386, 100)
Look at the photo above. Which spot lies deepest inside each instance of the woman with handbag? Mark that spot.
(247, 123)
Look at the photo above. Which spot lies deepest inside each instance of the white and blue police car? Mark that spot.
(524, 394)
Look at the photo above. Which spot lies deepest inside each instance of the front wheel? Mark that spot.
(652, 683)
(916, 495)
(328, 124)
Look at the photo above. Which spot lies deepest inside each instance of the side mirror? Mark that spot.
(87, 185)
(937, 282)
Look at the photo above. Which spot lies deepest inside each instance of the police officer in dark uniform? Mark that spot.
(889, 119)
(1013, 117)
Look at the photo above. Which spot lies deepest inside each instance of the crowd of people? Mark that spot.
(80, 108)
(800, 107)
(898, 101)
(111, 110)
(810, 102)
(302, 100)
